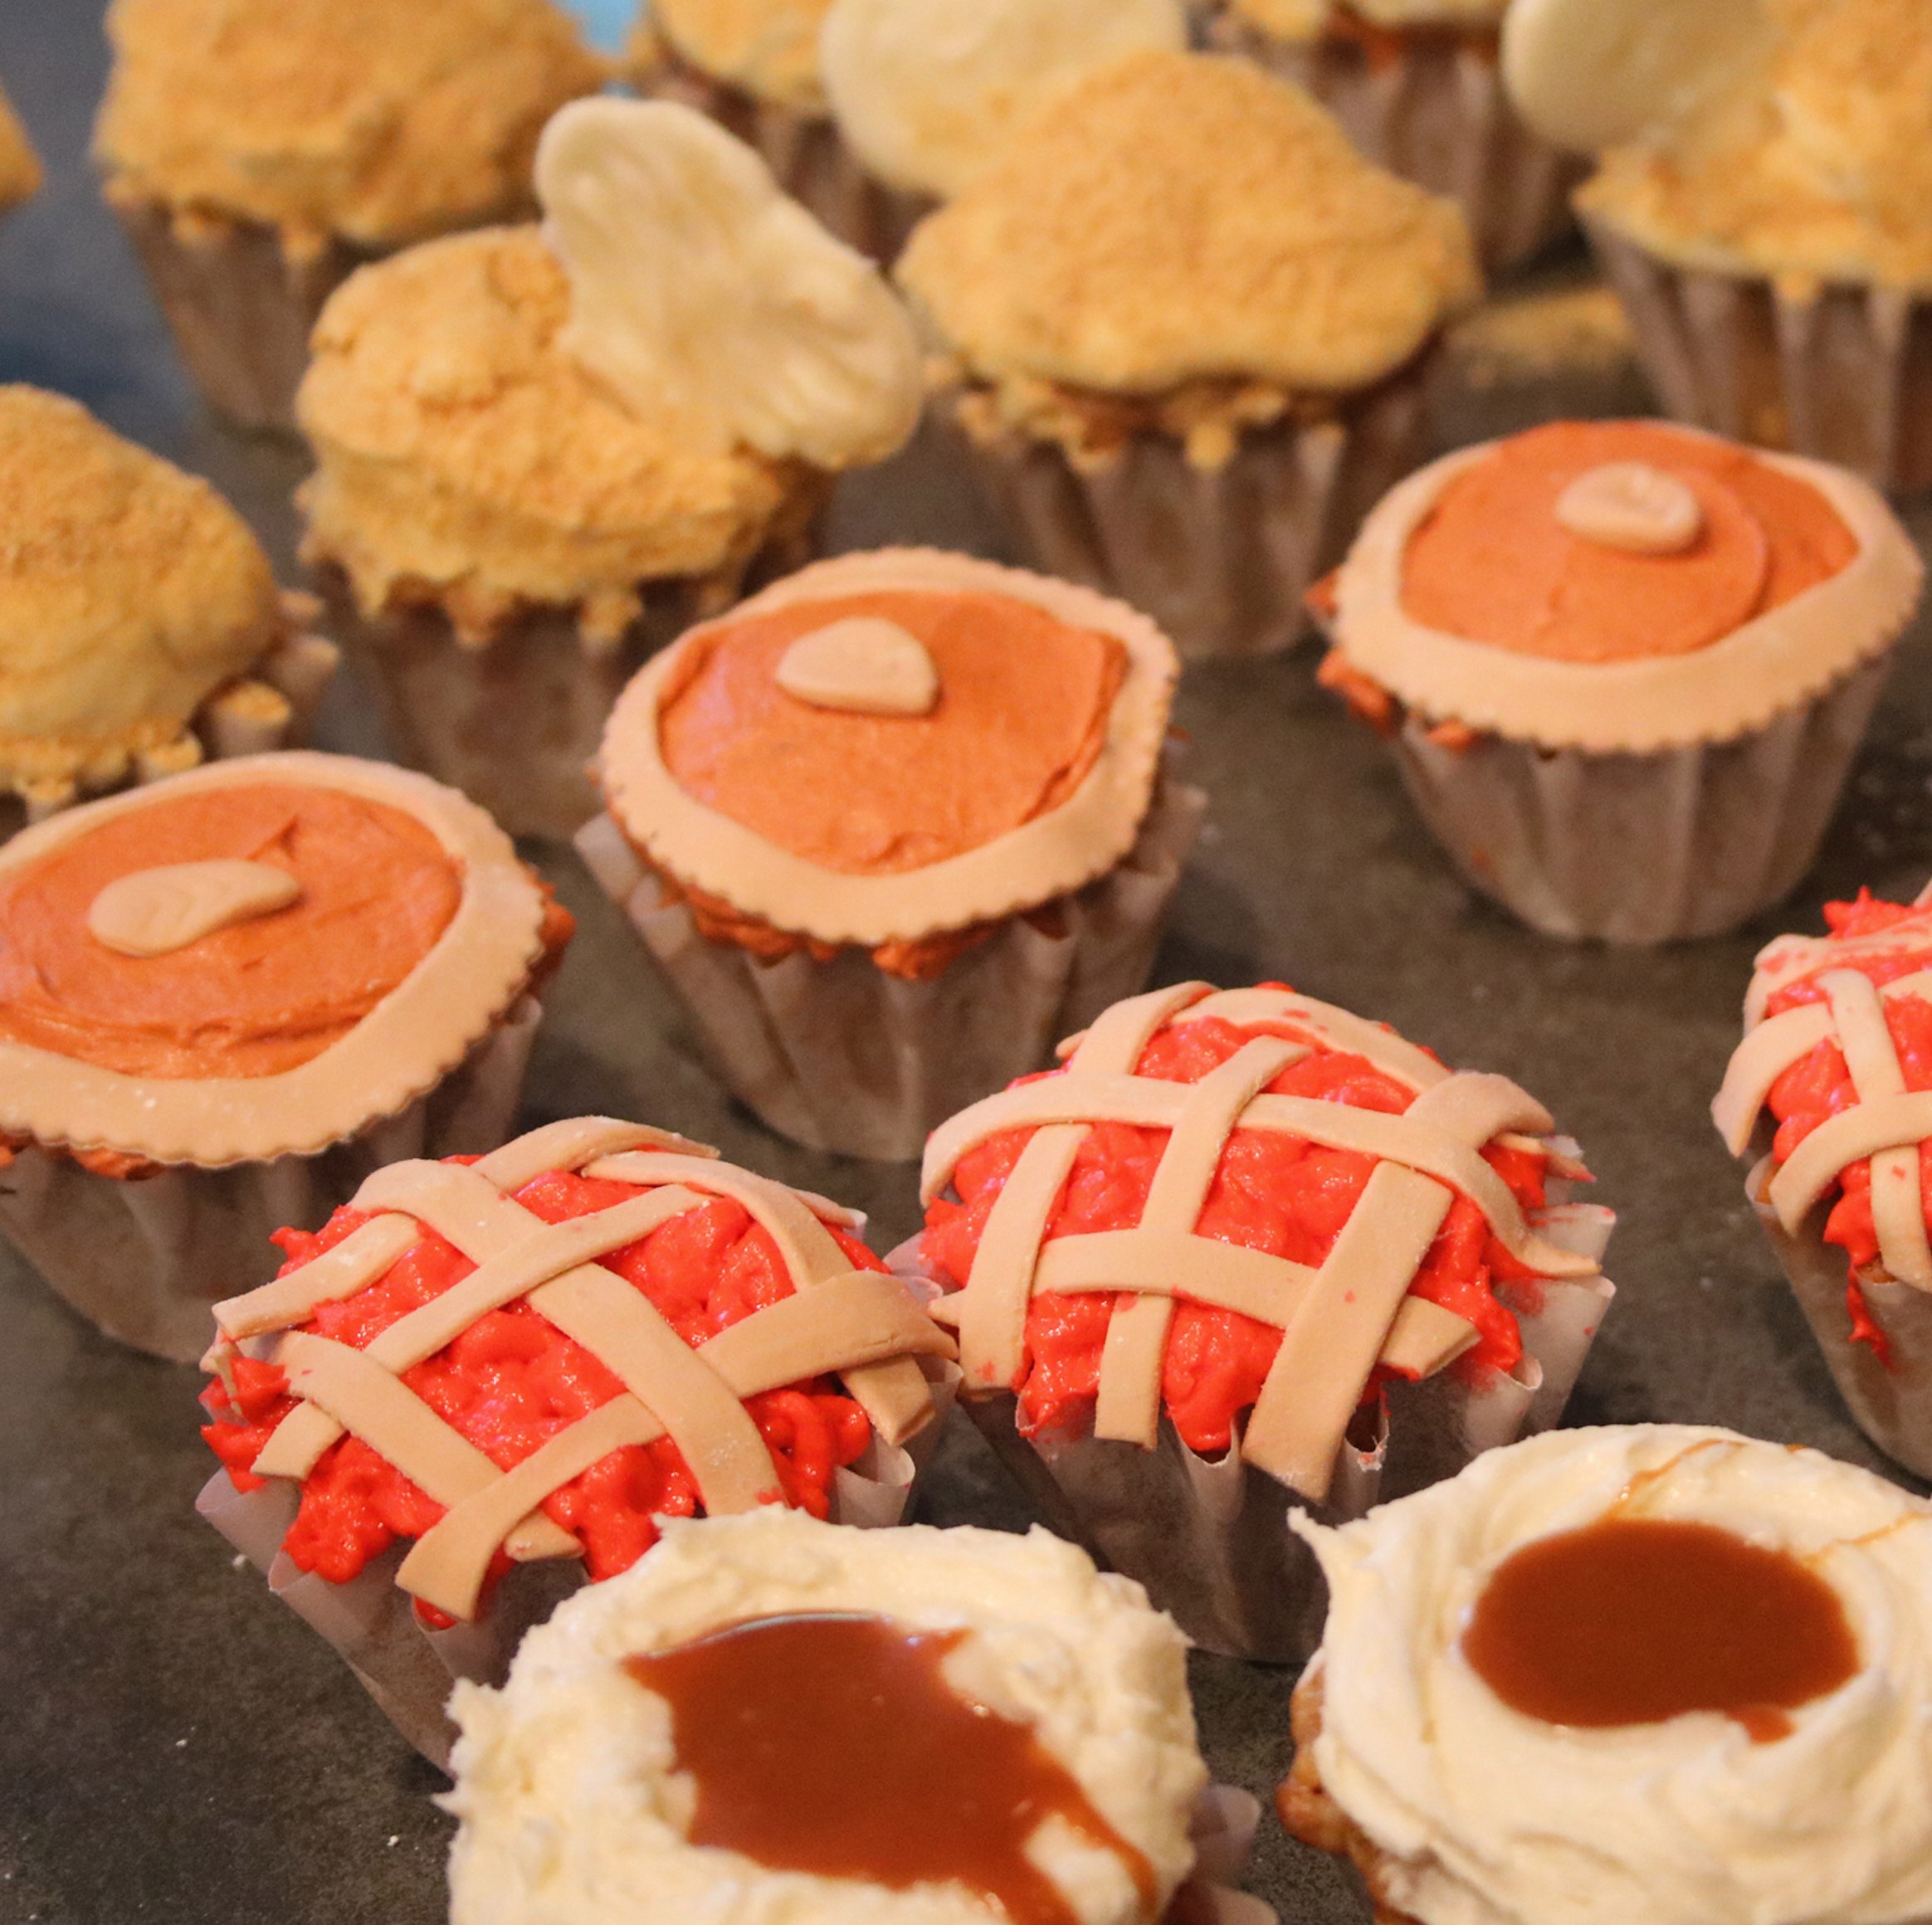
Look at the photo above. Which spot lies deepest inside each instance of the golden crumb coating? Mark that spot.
(1305, 19)
(371, 120)
(1177, 217)
(768, 47)
(129, 592)
(464, 456)
(1819, 164)
(20, 167)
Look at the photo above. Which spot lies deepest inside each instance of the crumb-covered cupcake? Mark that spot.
(542, 452)
(771, 1716)
(1186, 324)
(517, 1366)
(140, 626)
(1764, 208)
(889, 827)
(1244, 1250)
(1417, 85)
(1831, 1094)
(1624, 666)
(227, 997)
(20, 167)
(1658, 1672)
(257, 151)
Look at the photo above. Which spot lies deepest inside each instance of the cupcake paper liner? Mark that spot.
(1637, 849)
(409, 1668)
(841, 1056)
(239, 305)
(1437, 115)
(1219, 557)
(144, 1260)
(1840, 372)
(1209, 1536)
(1892, 1406)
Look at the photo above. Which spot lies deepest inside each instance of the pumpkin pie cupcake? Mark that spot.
(226, 998)
(542, 452)
(1826, 1094)
(1624, 666)
(141, 627)
(890, 827)
(1246, 1251)
(804, 1713)
(258, 151)
(1186, 325)
(1419, 87)
(20, 167)
(518, 1366)
(1657, 1672)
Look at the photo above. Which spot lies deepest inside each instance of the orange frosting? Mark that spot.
(253, 999)
(1022, 712)
(1492, 563)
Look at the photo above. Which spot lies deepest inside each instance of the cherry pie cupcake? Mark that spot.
(1246, 1251)
(481, 1383)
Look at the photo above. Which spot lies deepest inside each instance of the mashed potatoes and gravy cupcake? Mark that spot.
(1657, 1673)
(1186, 323)
(541, 452)
(258, 150)
(1624, 666)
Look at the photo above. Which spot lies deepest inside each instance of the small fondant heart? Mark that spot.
(156, 911)
(864, 664)
(1632, 506)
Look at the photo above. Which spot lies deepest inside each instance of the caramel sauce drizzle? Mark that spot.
(832, 1743)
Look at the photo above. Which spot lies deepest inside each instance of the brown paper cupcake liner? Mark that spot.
(1220, 558)
(1437, 115)
(240, 304)
(807, 156)
(1209, 1538)
(841, 1056)
(409, 1668)
(1638, 849)
(1840, 372)
(1891, 1405)
(145, 1260)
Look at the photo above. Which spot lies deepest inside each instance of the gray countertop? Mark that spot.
(174, 1745)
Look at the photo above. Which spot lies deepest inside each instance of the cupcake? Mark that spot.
(1657, 1672)
(891, 826)
(688, 1337)
(1336, 1272)
(20, 167)
(1186, 326)
(258, 151)
(1417, 85)
(1624, 667)
(1763, 204)
(226, 998)
(770, 1717)
(1823, 1094)
(541, 452)
(141, 627)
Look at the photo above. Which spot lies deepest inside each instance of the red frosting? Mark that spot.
(1272, 1193)
(513, 1381)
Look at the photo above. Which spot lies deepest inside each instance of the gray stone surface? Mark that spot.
(174, 1745)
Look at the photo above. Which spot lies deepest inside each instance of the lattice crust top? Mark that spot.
(1337, 1322)
(861, 1325)
(1888, 1123)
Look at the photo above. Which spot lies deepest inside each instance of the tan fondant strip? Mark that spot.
(296, 1442)
(1226, 1275)
(1425, 1339)
(1342, 1029)
(577, 1141)
(353, 1265)
(1842, 1140)
(1756, 1063)
(1789, 959)
(1898, 1215)
(457, 1201)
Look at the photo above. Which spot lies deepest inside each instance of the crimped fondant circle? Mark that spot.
(1737, 684)
(401, 1050)
(1054, 853)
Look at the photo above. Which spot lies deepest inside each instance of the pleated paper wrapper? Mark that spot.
(1642, 848)
(1437, 115)
(145, 1260)
(409, 1668)
(1892, 1404)
(1219, 557)
(1208, 1537)
(841, 1056)
(1838, 371)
